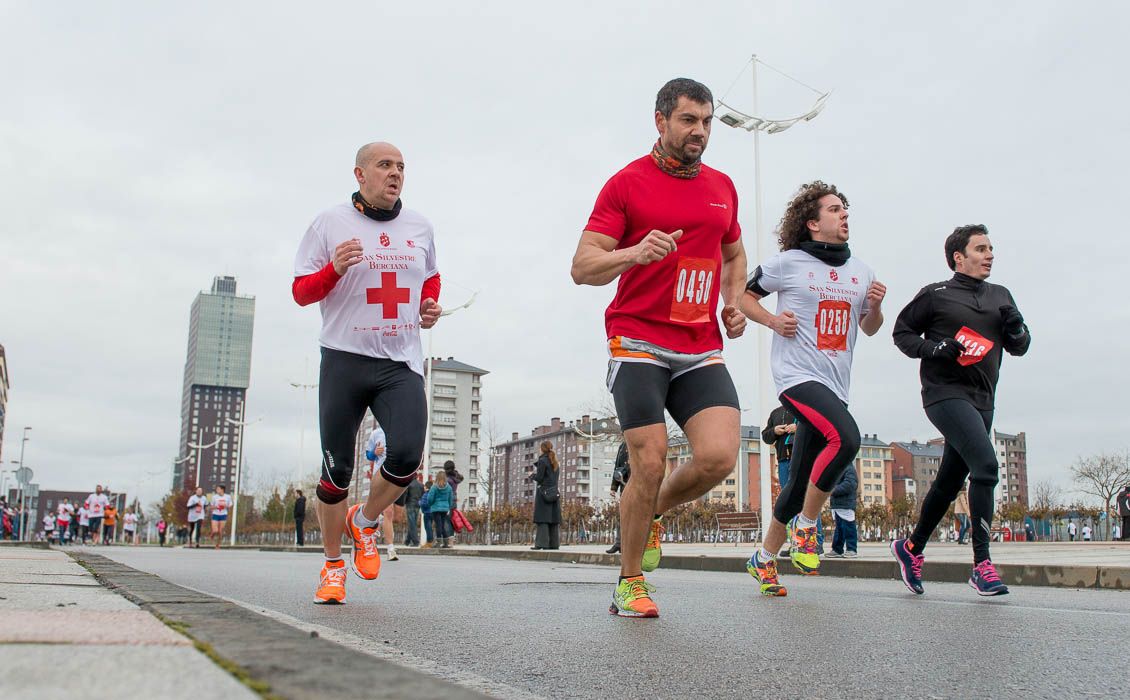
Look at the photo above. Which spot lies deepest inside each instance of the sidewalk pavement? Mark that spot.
(57, 623)
(1059, 564)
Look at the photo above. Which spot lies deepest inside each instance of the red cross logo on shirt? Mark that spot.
(388, 295)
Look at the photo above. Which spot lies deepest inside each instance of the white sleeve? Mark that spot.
(431, 266)
(313, 252)
(767, 277)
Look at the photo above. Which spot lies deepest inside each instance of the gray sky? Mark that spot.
(147, 148)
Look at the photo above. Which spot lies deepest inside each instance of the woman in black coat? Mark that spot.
(547, 500)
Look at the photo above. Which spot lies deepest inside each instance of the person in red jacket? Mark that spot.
(371, 265)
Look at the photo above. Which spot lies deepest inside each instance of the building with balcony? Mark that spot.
(454, 428)
(586, 453)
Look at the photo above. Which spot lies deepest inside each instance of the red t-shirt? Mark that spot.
(672, 303)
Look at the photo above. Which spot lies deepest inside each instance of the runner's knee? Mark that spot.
(337, 470)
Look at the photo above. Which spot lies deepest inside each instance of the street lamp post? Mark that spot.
(22, 489)
(238, 470)
(196, 449)
(302, 423)
(739, 120)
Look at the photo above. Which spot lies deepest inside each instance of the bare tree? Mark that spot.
(1046, 495)
(1103, 475)
(487, 478)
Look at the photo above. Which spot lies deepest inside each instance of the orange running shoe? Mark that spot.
(632, 598)
(654, 549)
(331, 591)
(366, 559)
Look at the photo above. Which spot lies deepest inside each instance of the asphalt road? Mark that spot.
(543, 629)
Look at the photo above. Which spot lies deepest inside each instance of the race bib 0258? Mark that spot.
(694, 287)
(833, 319)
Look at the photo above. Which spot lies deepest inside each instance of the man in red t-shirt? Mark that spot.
(667, 227)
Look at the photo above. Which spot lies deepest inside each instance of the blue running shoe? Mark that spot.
(910, 565)
(986, 581)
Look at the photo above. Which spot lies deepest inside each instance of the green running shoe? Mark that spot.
(653, 551)
(632, 599)
(803, 549)
(766, 574)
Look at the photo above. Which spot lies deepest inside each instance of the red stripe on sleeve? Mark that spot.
(314, 287)
(431, 288)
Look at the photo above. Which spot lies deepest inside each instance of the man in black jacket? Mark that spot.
(845, 540)
(299, 517)
(959, 328)
(779, 431)
(412, 496)
(621, 472)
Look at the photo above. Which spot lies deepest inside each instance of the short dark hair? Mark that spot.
(448, 465)
(670, 93)
(957, 240)
(298, 491)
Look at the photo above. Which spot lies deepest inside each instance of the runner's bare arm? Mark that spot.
(733, 286)
(597, 261)
(783, 324)
(873, 321)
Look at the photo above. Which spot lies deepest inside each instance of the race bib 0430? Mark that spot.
(694, 287)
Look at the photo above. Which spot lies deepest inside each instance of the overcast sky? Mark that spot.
(145, 148)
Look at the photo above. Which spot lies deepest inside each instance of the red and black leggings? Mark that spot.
(826, 442)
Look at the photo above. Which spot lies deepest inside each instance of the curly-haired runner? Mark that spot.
(824, 297)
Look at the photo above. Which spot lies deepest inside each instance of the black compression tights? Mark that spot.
(827, 440)
(968, 452)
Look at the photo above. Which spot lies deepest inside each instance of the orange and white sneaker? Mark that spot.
(331, 591)
(632, 598)
(366, 559)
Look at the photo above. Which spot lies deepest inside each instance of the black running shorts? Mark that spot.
(642, 391)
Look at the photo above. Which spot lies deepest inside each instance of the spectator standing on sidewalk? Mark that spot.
(1087, 532)
(426, 513)
(620, 475)
(547, 500)
(845, 539)
(961, 512)
(299, 518)
(454, 478)
(412, 496)
(1071, 530)
(780, 431)
(440, 504)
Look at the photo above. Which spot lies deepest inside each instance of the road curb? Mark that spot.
(279, 660)
(1105, 577)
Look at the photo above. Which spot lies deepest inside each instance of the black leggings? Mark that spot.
(348, 385)
(194, 531)
(969, 452)
(826, 442)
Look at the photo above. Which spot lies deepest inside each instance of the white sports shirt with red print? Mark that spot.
(374, 309)
(828, 302)
(96, 504)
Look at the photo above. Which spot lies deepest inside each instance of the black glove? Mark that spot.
(948, 349)
(1012, 321)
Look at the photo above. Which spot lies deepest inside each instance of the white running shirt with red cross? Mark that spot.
(374, 310)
